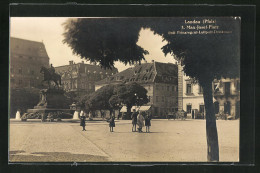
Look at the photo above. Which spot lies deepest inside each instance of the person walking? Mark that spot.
(140, 122)
(134, 120)
(112, 123)
(82, 122)
(147, 122)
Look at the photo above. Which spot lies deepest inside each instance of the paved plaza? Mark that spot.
(168, 141)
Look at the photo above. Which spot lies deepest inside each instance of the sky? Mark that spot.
(49, 30)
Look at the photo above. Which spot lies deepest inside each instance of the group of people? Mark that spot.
(138, 118)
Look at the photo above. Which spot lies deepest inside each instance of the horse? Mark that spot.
(56, 78)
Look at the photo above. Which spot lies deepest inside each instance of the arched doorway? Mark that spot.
(216, 106)
(227, 107)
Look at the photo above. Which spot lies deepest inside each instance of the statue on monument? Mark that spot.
(50, 75)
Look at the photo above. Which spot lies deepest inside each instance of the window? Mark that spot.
(162, 98)
(20, 71)
(189, 109)
(157, 98)
(202, 109)
(200, 89)
(227, 88)
(31, 83)
(188, 88)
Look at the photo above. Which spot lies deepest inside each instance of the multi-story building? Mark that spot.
(80, 78)
(159, 79)
(26, 59)
(226, 98)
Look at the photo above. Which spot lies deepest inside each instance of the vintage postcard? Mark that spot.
(124, 89)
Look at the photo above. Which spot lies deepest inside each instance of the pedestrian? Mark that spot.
(82, 122)
(134, 120)
(140, 121)
(147, 122)
(112, 123)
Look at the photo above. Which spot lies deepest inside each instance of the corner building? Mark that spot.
(226, 96)
(159, 79)
(26, 59)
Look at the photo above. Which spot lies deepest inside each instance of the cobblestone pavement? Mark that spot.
(168, 141)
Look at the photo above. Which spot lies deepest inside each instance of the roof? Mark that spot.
(145, 73)
(27, 47)
(82, 67)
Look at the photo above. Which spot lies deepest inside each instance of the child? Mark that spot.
(112, 123)
(147, 122)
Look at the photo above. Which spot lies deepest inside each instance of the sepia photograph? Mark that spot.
(124, 89)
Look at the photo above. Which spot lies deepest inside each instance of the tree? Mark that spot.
(131, 94)
(99, 100)
(23, 99)
(205, 57)
(105, 40)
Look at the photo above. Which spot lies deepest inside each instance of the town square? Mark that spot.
(124, 90)
(168, 141)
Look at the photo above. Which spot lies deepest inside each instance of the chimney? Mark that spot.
(71, 62)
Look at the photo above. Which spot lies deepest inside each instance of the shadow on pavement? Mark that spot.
(55, 157)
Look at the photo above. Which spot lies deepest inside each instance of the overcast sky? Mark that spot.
(49, 31)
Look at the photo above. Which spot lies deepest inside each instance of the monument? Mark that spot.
(53, 104)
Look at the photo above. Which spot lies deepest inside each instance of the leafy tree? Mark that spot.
(131, 94)
(23, 99)
(99, 100)
(204, 56)
(98, 40)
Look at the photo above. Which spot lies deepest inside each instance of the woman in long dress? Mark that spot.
(140, 122)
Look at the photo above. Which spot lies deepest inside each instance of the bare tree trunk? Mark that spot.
(211, 127)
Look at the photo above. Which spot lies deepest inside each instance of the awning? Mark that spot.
(137, 108)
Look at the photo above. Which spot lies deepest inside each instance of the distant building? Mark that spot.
(80, 78)
(159, 79)
(190, 96)
(26, 59)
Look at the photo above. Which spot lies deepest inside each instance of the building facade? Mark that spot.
(159, 79)
(80, 78)
(226, 96)
(26, 59)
